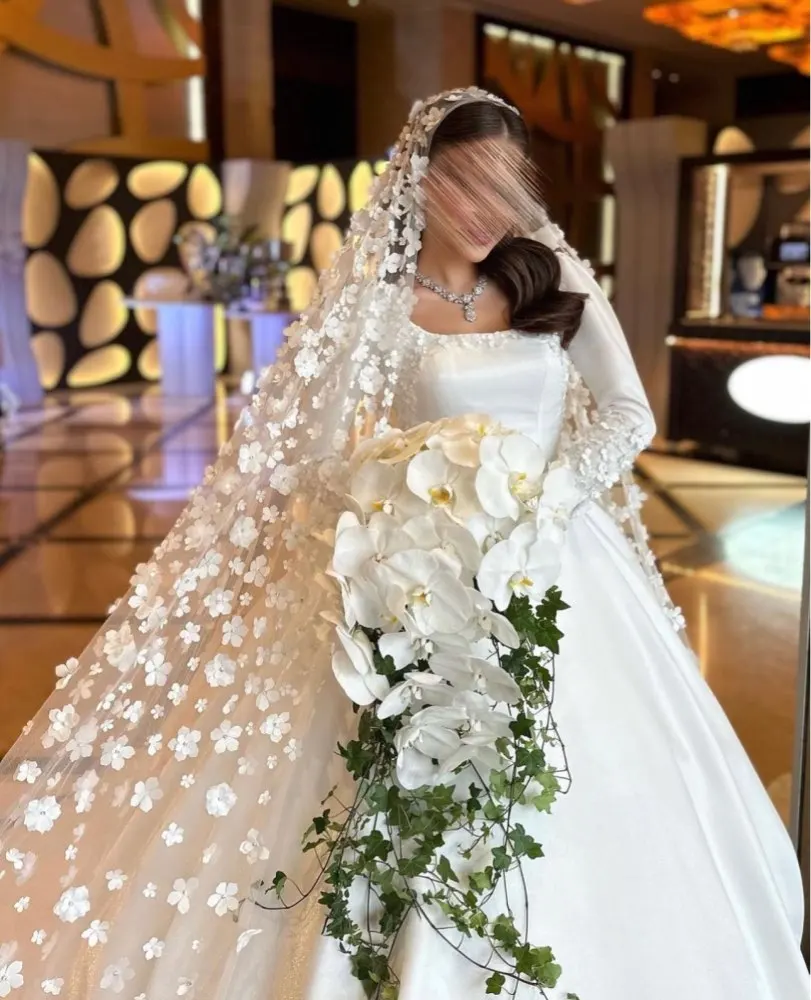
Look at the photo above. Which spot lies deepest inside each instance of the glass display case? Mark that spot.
(740, 369)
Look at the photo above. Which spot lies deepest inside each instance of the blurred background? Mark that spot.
(173, 174)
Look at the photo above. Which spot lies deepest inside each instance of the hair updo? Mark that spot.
(526, 272)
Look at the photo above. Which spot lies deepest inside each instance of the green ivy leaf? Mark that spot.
(279, 882)
(445, 871)
(501, 859)
(495, 984)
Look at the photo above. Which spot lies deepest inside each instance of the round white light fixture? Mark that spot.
(777, 387)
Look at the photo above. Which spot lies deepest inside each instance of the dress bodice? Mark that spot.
(519, 380)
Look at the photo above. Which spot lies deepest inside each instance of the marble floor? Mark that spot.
(90, 484)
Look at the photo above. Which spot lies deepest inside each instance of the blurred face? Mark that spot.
(476, 193)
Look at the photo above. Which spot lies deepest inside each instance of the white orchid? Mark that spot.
(474, 673)
(358, 544)
(380, 488)
(417, 686)
(459, 438)
(439, 482)
(510, 476)
(560, 493)
(481, 729)
(354, 669)
(358, 554)
(488, 530)
(437, 533)
(425, 593)
(526, 564)
(429, 738)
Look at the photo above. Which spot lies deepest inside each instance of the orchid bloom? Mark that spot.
(509, 478)
(353, 666)
(526, 564)
(424, 592)
(439, 482)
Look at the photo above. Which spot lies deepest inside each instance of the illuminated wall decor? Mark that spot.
(569, 94)
(136, 64)
(97, 230)
(319, 202)
(781, 27)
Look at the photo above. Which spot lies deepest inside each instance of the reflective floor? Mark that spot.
(92, 482)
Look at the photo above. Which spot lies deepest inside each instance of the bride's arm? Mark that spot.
(624, 423)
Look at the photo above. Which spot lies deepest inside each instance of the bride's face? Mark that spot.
(473, 194)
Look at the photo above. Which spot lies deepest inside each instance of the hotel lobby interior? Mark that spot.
(141, 141)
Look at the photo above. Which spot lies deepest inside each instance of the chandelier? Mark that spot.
(779, 26)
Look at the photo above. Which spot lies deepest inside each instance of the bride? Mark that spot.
(181, 756)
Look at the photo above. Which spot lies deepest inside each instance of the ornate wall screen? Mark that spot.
(569, 95)
(138, 63)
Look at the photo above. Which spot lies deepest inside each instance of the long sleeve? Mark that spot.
(623, 425)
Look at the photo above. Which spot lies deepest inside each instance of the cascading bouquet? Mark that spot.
(446, 563)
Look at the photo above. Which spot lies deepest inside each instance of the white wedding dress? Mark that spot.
(667, 874)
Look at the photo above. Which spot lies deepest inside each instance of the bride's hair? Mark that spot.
(527, 272)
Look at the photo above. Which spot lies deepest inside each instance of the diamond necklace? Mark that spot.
(466, 301)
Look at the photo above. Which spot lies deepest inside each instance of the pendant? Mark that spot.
(468, 308)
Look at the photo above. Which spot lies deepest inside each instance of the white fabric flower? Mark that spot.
(254, 848)
(11, 978)
(173, 835)
(153, 949)
(41, 814)
(221, 671)
(146, 794)
(182, 891)
(224, 898)
(276, 726)
(53, 987)
(527, 564)
(117, 975)
(96, 933)
(28, 771)
(234, 631)
(73, 904)
(65, 672)
(116, 752)
(353, 666)
(510, 475)
(157, 670)
(185, 744)
(220, 799)
(244, 532)
(115, 880)
(226, 737)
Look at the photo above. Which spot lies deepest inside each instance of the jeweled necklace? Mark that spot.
(466, 301)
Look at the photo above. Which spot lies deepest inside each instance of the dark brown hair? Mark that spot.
(527, 272)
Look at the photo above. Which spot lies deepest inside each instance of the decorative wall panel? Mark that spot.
(96, 230)
(111, 77)
(319, 202)
(569, 94)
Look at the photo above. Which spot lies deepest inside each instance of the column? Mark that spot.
(247, 78)
(645, 155)
(407, 52)
(253, 194)
(18, 368)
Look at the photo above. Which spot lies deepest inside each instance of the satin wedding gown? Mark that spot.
(667, 874)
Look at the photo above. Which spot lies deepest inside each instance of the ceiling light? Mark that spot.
(779, 26)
